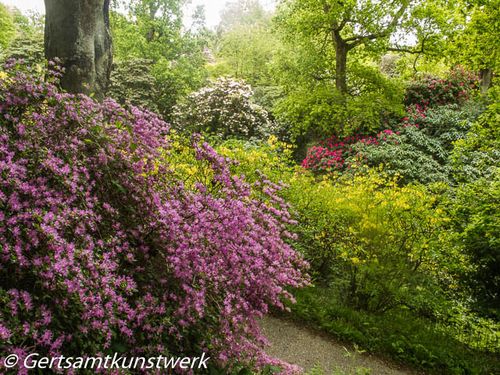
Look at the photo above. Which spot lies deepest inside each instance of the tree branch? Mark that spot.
(416, 52)
(359, 39)
(405, 50)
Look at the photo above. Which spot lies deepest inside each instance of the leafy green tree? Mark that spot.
(477, 45)
(152, 30)
(28, 43)
(244, 47)
(328, 68)
(344, 25)
(246, 51)
(242, 12)
(7, 28)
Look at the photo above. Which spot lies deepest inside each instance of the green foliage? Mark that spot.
(478, 154)
(131, 82)
(314, 107)
(376, 243)
(379, 245)
(271, 158)
(245, 44)
(152, 30)
(476, 206)
(224, 109)
(419, 150)
(412, 154)
(244, 47)
(28, 46)
(319, 110)
(25, 38)
(7, 27)
(433, 346)
(245, 52)
(477, 45)
(450, 123)
(316, 37)
(242, 12)
(476, 215)
(315, 19)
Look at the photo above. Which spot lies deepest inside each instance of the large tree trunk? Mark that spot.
(341, 49)
(77, 32)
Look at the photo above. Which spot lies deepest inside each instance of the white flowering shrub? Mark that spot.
(224, 108)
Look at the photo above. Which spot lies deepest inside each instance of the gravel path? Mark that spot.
(308, 349)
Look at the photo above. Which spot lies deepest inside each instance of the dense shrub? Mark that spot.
(410, 153)
(475, 210)
(432, 91)
(315, 109)
(7, 28)
(331, 154)
(476, 205)
(449, 123)
(27, 46)
(417, 149)
(26, 39)
(131, 82)
(104, 248)
(373, 241)
(477, 155)
(225, 109)
(272, 158)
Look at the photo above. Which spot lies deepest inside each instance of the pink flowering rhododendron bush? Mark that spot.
(104, 249)
(332, 154)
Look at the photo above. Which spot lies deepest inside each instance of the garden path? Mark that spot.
(308, 349)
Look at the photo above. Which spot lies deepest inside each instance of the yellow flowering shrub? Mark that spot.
(272, 158)
(379, 243)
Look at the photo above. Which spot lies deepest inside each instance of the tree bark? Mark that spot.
(77, 32)
(341, 50)
(486, 76)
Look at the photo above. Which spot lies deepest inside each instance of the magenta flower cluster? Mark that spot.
(101, 248)
(331, 154)
(433, 91)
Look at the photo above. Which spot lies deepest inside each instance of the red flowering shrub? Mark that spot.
(101, 248)
(432, 91)
(331, 154)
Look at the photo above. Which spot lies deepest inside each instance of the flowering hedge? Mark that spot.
(103, 249)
